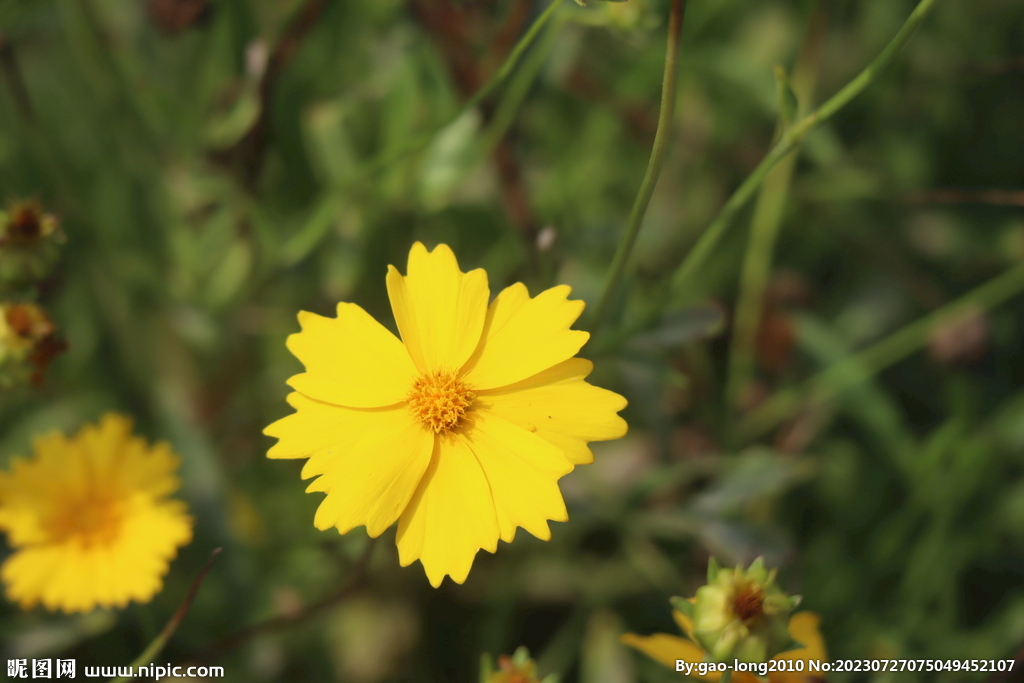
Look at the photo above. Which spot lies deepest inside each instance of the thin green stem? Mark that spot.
(302, 243)
(764, 228)
(517, 90)
(643, 197)
(352, 585)
(702, 250)
(861, 366)
(483, 93)
(155, 647)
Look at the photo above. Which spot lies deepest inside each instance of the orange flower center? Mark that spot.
(440, 401)
(91, 521)
(748, 603)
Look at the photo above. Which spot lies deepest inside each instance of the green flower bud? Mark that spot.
(742, 614)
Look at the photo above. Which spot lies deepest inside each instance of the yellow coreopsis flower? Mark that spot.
(90, 520)
(461, 430)
(668, 649)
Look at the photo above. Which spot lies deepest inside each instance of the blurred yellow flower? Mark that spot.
(667, 649)
(90, 520)
(461, 430)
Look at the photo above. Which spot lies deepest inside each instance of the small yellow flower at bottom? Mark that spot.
(459, 431)
(90, 520)
(668, 649)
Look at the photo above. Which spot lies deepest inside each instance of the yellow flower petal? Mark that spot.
(664, 648)
(558, 406)
(524, 336)
(351, 360)
(128, 460)
(803, 626)
(323, 432)
(372, 481)
(684, 622)
(439, 309)
(450, 517)
(523, 471)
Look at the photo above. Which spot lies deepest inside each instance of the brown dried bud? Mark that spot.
(29, 241)
(27, 338)
(26, 225)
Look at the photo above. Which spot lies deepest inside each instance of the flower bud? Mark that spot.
(27, 338)
(28, 243)
(518, 668)
(741, 614)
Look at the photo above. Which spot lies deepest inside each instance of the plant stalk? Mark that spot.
(301, 244)
(650, 181)
(860, 366)
(684, 274)
(155, 647)
(764, 229)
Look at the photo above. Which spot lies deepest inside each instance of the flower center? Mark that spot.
(748, 603)
(440, 401)
(91, 521)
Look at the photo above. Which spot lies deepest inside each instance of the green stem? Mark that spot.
(301, 244)
(702, 250)
(643, 197)
(861, 366)
(517, 90)
(764, 228)
(155, 647)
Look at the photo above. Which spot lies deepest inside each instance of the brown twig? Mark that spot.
(154, 648)
(957, 196)
(248, 154)
(15, 81)
(240, 637)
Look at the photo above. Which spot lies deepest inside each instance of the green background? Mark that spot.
(893, 502)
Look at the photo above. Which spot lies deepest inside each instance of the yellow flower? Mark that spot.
(461, 430)
(667, 649)
(89, 519)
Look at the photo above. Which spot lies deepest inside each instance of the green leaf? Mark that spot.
(682, 604)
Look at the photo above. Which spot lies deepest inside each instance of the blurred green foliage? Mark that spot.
(217, 167)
